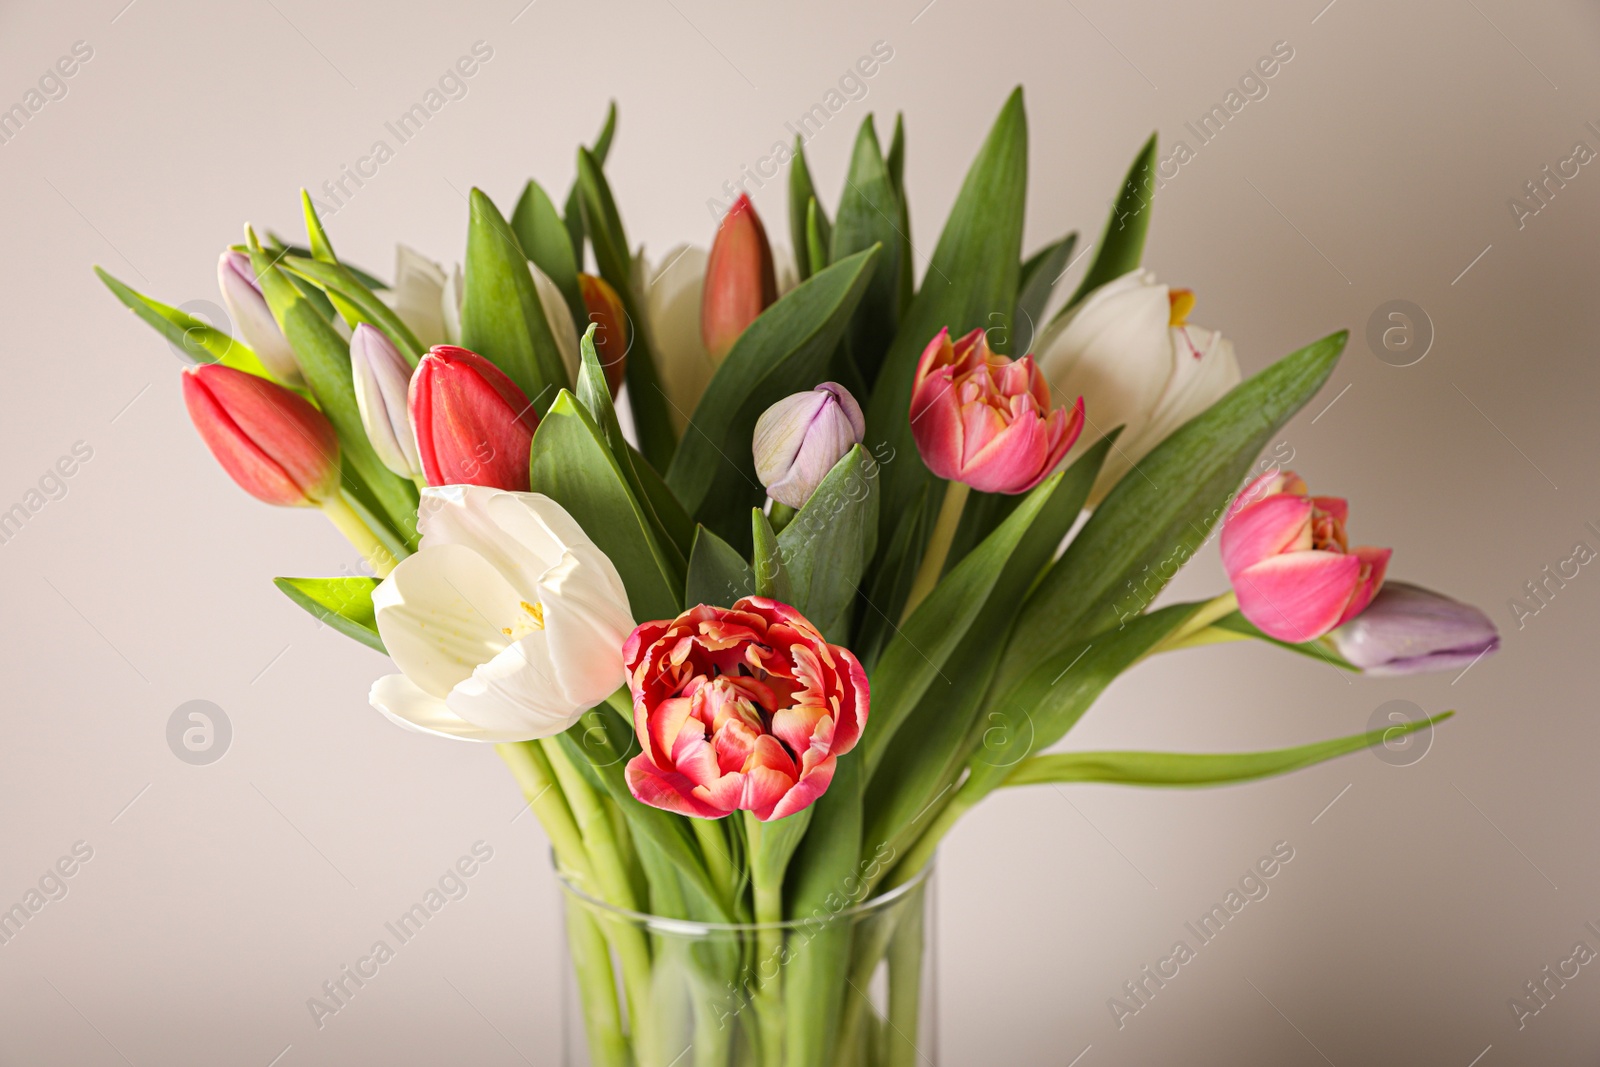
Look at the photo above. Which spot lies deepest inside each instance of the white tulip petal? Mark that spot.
(672, 312)
(1204, 368)
(559, 316)
(418, 295)
(403, 704)
(467, 515)
(442, 612)
(586, 609)
(517, 692)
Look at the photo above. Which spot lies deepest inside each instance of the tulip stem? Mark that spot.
(1190, 633)
(944, 535)
(359, 534)
(780, 515)
(532, 772)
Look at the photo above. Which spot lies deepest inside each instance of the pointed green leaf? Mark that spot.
(572, 465)
(971, 282)
(345, 604)
(869, 214)
(896, 162)
(891, 582)
(766, 562)
(324, 360)
(1159, 515)
(827, 545)
(501, 317)
(818, 238)
(543, 236)
(802, 191)
(718, 575)
(366, 278)
(651, 419)
(1197, 768)
(201, 342)
(1040, 272)
(573, 211)
(1236, 623)
(355, 301)
(1122, 242)
(783, 351)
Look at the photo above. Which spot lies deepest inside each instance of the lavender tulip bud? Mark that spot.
(253, 318)
(382, 378)
(800, 438)
(1409, 630)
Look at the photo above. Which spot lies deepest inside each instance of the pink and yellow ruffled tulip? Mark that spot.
(1290, 563)
(985, 420)
(740, 709)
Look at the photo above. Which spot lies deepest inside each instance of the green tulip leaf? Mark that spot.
(1122, 242)
(869, 214)
(572, 465)
(573, 211)
(345, 604)
(1160, 513)
(802, 191)
(1197, 768)
(827, 545)
(785, 350)
(603, 223)
(501, 317)
(818, 237)
(1040, 272)
(544, 237)
(366, 278)
(1319, 649)
(970, 282)
(767, 563)
(201, 342)
(356, 303)
(896, 162)
(718, 575)
(891, 582)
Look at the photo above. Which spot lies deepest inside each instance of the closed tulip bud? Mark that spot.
(1290, 563)
(1408, 630)
(611, 339)
(382, 379)
(277, 446)
(800, 438)
(253, 318)
(740, 280)
(473, 425)
(986, 421)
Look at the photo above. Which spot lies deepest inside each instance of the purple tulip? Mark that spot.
(800, 438)
(1409, 630)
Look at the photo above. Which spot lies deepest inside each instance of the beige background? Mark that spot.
(1378, 167)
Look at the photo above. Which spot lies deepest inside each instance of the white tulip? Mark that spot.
(508, 623)
(559, 316)
(1129, 353)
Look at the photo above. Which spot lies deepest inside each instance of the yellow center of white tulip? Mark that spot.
(1182, 301)
(531, 619)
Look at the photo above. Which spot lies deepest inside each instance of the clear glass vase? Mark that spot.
(847, 988)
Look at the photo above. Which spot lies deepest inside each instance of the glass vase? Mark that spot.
(852, 987)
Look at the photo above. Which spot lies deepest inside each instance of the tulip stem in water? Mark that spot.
(359, 534)
(944, 534)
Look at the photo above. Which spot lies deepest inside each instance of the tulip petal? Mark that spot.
(402, 703)
(673, 296)
(1264, 529)
(417, 296)
(1374, 565)
(667, 790)
(804, 792)
(517, 690)
(1298, 596)
(442, 612)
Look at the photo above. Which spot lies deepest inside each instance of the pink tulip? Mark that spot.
(473, 425)
(740, 709)
(985, 420)
(741, 282)
(1289, 561)
(276, 446)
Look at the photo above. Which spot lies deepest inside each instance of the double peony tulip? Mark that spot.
(1290, 563)
(507, 624)
(985, 420)
(740, 709)
(473, 425)
(1129, 351)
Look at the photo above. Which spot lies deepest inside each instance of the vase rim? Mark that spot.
(692, 927)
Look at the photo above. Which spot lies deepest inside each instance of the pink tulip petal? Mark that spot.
(668, 791)
(1375, 564)
(806, 790)
(1009, 460)
(1264, 529)
(1299, 596)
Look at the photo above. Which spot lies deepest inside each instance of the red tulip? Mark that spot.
(611, 339)
(740, 280)
(985, 420)
(277, 446)
(473, 425)
(742, 708)
(1290, 563)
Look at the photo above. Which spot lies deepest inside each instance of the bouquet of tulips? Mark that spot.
(762, 567)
